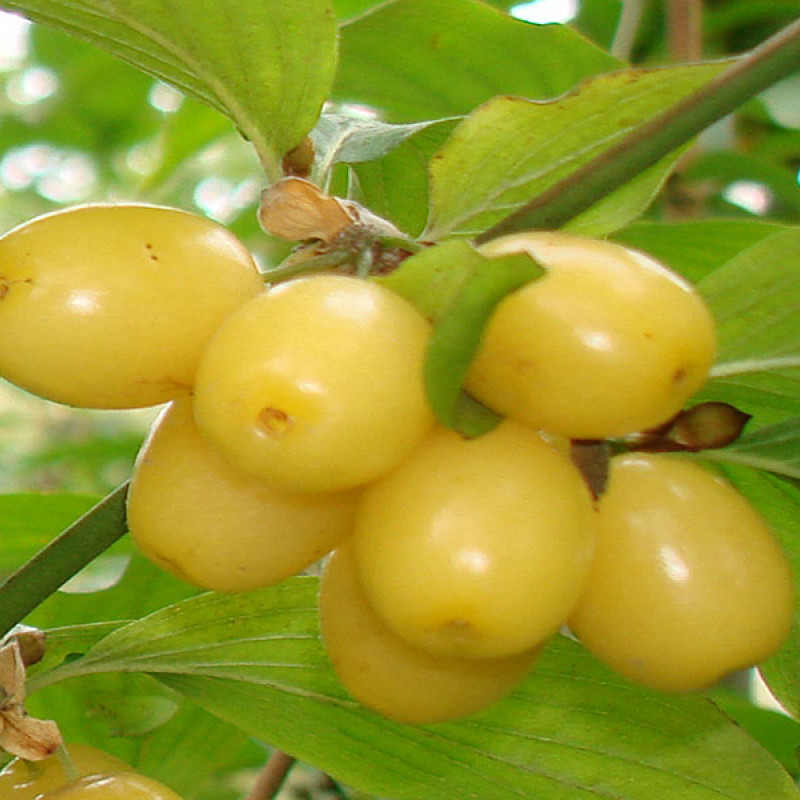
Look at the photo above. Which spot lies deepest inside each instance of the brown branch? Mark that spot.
(685, 30)
(271, 778)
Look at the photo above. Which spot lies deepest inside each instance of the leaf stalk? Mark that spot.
(78, 545)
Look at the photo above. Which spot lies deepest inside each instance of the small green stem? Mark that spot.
(67, 764)
(62, 558)
(773, 60)
(628, 27)
(293, 266)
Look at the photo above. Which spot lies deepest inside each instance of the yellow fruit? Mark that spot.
(317, 384)
(119, 786)
(110, 306)
(606, 343)
(476, 548)
(27, 780)
(688, 583)
(390, 676)
(192, 513)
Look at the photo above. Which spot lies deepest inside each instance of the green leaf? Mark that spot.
(108, 708)
(658, 137)
(390, 175)
(505, 5)
(755, 298)
(266, 64)
(428, 59)
(142, 722)
(458, 288)
(775, 448)
(778, 500)
(396, 186)
(29, 521)
(458, 332)
(432, 278)
(71, 641)
(142, 588)
(628, 202)
(571, 729)
(778, 733)
(151, 727)
(511, 149)
(62, 558)
(125, 707)
(696, 248)
(351, 8)
(340, 138)
(195, 749)
(781, 671)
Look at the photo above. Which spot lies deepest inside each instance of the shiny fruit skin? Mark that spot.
(110, 306)
(388, 675)
(317, 384)
(116, 786)
(688, 582)
(476, 548)
(27, 780)
(606, 343)
(194, 514)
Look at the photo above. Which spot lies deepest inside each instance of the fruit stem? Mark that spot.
(67, 764)
(63, 557)
(750, 74)
(296, 264)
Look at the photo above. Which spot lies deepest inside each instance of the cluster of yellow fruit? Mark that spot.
(98, 776)
(298, 425)
(470, 554)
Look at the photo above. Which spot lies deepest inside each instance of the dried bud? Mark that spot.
(12, 674)
(31, 643)
(707, 426)
(297, 210)
(299, 160)
(27, 737)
